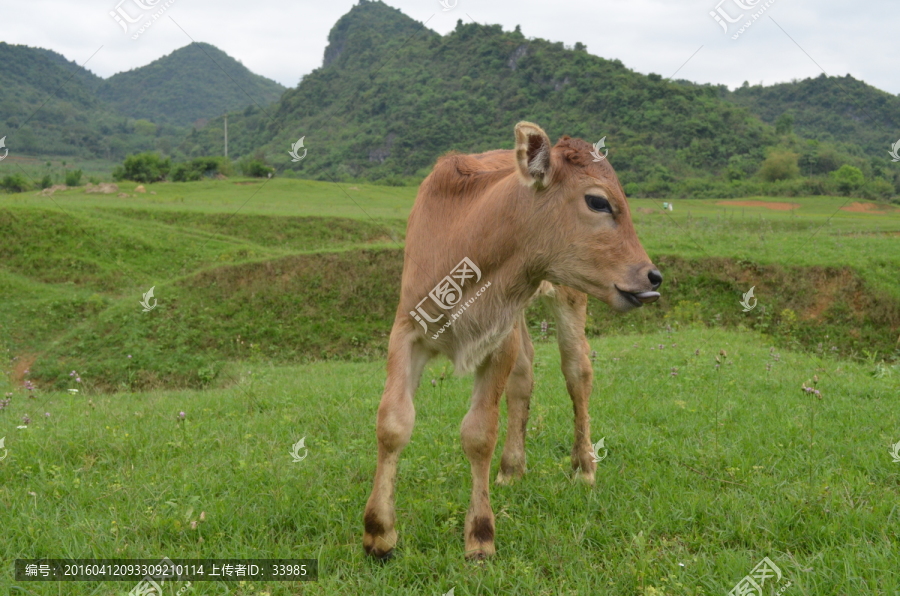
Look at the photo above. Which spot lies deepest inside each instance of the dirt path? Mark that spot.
(867, 208)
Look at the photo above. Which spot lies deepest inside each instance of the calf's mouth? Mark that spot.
(639, 298)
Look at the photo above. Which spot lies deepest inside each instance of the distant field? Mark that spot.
(276, 196)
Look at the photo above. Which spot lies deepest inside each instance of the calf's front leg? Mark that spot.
(479, 437)
(396, 417)
(570, 309)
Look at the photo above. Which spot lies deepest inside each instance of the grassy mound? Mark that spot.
(340, 305)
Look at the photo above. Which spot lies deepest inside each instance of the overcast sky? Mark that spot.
(284, 40)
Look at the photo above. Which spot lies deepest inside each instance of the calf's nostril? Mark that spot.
(655, 277)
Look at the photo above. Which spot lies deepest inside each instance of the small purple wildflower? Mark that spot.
(129, 355)
(433, 383)
(26, 420)
(77, 379)
(72, 374)
(5, 402)
(46, 414)
(544, 326)
(812, 390)
(181, 415)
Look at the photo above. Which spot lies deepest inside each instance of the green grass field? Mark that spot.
(274, 302)
(682, 505)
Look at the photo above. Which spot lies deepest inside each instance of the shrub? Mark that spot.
(143, 167)
(255, 168)
(15, 183)
(46, 181)
(200, 167)
(779, 165)
(879, 188)
(848, 178)
(73, 178)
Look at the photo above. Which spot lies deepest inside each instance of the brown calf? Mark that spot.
(486, 234)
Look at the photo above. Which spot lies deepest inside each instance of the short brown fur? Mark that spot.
(529, 220)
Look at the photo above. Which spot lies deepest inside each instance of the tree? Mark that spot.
(143, 167)
(784, 125)
(848, 178)
(779, 165)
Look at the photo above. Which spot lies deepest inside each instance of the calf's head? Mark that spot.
(578, 225)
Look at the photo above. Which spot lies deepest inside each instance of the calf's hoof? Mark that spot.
(480, 538)
(380, 547)
(481, 554)
(585, 477)
(510, 472)
(508, 477)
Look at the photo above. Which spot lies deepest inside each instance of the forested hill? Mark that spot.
(51, 106)
(839, 110)
(198, 81)
(29, 77)
(392, 95)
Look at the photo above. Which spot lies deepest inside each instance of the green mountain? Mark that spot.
(392, 95)
(196, 82)
(838, 110)
(70, 113)
(51, 106)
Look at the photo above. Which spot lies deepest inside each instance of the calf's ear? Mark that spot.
(532, 155)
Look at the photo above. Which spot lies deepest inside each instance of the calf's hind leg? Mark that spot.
(518, 402)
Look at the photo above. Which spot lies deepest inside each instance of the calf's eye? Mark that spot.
(598, 204)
